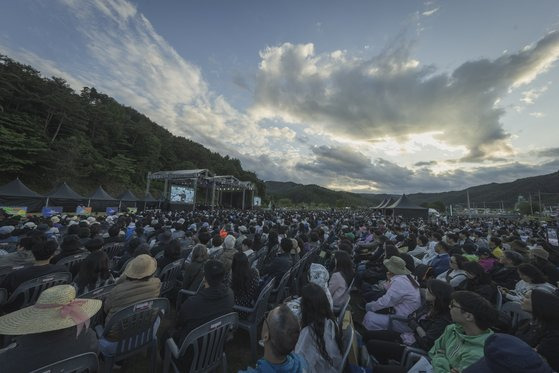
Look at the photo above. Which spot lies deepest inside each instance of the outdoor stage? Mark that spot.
(186, 187)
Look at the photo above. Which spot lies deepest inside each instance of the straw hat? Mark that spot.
(396, 265)
(57, 308)
(140, 267)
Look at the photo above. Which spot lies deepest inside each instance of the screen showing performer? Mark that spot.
(181, 194)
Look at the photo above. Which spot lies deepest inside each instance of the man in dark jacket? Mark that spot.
(281, 263)
(213, 300)
(43, 251)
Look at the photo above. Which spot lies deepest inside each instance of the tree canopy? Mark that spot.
(50, 134)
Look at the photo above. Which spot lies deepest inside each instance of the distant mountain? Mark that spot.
(492, 194)
(286, 193)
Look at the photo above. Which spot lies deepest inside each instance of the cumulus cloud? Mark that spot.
(393, 95)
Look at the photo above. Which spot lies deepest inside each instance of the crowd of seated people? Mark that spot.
(451, 288)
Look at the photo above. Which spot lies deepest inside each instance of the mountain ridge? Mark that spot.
(491, 195)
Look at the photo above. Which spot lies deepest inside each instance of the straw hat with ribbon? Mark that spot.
(140, 267)
(57, 308)
(396, 265)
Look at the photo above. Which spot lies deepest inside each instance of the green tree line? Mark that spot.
(50, 133)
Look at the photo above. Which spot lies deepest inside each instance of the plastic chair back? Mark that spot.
(6, 270)
(113, 248)
(261, 304)
(133, 327)
(169, 276)
(100, 293)
(206, 342)
(280, 291)
(83, 363)
(72, 262)
(29, 291)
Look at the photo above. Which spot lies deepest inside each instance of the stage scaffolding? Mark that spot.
(203, 178)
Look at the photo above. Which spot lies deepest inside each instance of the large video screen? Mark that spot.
(181, 194)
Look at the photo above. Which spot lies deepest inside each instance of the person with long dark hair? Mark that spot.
(341, 277)
(244, 282)
(94, 272)
(427, 324)
(479, 282)
(194, 271)
(320, 341)
(171, 252)
(543, 333)
(530, 278)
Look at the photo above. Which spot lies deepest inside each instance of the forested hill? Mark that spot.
(287, 193)
(50, 134)
(493, 194)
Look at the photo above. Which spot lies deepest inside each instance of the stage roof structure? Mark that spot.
(180, 174)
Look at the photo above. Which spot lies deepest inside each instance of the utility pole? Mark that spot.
(540, 202)
(468, 199)
(531, 207)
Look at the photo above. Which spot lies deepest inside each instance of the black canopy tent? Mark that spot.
(149, 201)
(17, 194)
(379, 206)
(100, 200)
(66, 197)
(127, 199)
(407, 209)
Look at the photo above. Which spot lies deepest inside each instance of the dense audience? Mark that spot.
(457, 289)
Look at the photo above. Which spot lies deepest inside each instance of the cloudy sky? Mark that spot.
(365, 96)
